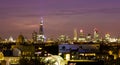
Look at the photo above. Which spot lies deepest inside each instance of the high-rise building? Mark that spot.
(62, 38)
(81, 37)
(41, 32)
(75, 35)
(107, 36)
(34, 37)
(96, 35)
(88, 38)
(81, 33)
(40, 36)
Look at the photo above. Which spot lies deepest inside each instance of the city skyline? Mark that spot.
(60, 17)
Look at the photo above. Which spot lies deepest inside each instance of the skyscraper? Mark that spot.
(107, 36)
(96, 35)
(34, 37)
(75, 35)
(81, 33)
(88, 38)
(40, 36)
(81, 37)
(41, 32)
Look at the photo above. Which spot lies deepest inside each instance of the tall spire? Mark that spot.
(40, 36)
(42, 20)
(41, 32)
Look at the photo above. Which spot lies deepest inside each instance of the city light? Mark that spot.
(59, 32)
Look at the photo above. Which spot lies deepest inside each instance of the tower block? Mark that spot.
(40, 36)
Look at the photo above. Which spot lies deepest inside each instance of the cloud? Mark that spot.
(89, 11)
(25, 25)
(71, 12)
(29, 15)
(108, 10)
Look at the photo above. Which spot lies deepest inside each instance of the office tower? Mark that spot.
(81, 37)
(88, 38)
(75, 35)
(40, 36)
(34, 37)
(81, 33)
(41, 32)
(96, 35)
(107, 36)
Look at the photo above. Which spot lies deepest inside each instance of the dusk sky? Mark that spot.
(60, 17)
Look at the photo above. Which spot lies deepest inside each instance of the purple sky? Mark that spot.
(60, 17)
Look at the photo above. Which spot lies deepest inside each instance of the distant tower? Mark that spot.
(75, 35)
(34, 37)
(81, 38)
(41, 32)
(89, 38)
(40, 36)
(96, 35)
(107, 36)
(81, 33)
